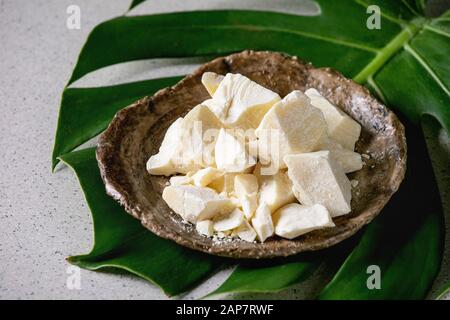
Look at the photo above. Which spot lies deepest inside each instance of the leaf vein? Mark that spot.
(425, 65)
(437, 31)
(284, 30)
(376, 88)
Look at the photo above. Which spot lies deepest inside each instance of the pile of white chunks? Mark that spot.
(254, 165)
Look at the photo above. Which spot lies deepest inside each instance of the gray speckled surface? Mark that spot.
(43, 216)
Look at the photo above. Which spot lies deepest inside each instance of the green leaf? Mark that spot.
(443, 291)
(122, 242)
(202, 33)
(405, 241)
(326, 40)
(85, 112)
(442, 23)
(417, 80)
(274, 275)
(414, 88)
(405, 63)
(135, 3)
(267, 276)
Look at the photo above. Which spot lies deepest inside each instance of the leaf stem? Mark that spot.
(389, 50)
(437, 31)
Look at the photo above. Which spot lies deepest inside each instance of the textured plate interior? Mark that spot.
(137, 131)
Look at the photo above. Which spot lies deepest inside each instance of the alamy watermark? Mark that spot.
(374, 279)
(374, 20)
(73, 21)
(73, 281)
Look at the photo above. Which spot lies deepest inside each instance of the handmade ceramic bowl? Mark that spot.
(136, 133)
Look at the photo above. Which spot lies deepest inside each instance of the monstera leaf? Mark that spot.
(404, 242)
(121, 242)
(76, 123)
(368, 56)
(405, 63)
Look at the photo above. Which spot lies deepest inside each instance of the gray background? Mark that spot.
(43, 216)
